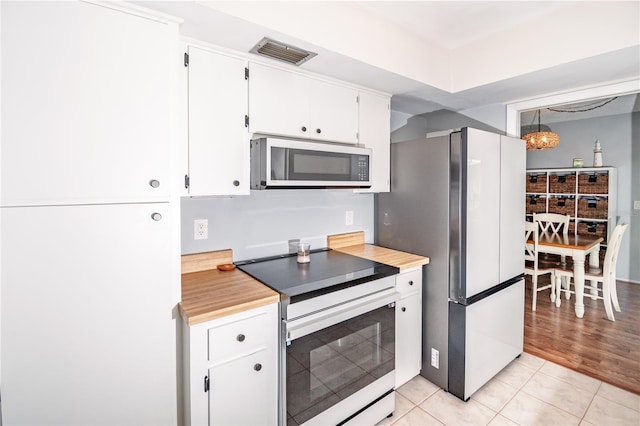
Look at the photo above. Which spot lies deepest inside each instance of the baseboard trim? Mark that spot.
(629, 282)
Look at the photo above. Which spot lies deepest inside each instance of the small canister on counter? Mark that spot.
(303, 252)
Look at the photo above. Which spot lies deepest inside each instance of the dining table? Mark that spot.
(578, 247)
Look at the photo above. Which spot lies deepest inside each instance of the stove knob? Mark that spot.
(257, 367)
(240, 337)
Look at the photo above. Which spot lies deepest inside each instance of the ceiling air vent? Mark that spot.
(282, 52)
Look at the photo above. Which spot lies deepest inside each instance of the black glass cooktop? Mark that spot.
(328, 271)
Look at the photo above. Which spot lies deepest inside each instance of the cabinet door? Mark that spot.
(218, 138)
(278, 102)
(408, 338)
(375, 132)
(87, 305)
(86, 98)
(244, 391)
(333, 112)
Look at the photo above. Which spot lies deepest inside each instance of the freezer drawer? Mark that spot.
(484, 338)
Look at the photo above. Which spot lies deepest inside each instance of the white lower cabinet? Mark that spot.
(231, 369)
(242, 391)
(408, 325)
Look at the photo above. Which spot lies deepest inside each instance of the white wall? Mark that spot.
(261, 224)
(577, 138)
(491, 118)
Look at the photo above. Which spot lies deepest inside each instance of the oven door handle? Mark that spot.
(309, 324)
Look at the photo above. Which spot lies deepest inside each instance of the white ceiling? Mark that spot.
(432, 55)
(453, 24)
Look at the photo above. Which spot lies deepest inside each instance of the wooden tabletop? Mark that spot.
(577, 242)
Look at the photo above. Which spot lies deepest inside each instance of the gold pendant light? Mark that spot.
(541, 139)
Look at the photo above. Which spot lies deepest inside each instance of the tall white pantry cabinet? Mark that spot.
(89, 278)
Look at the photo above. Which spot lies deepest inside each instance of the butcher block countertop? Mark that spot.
(353, 244)
(208, 293)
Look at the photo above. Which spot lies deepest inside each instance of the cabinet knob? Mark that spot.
(156, 216)
(410, 282)
(303, 128)
(236, 183)
(154, 183)
(257, 367)
(318, 131)
(403, 309)
(240, 337)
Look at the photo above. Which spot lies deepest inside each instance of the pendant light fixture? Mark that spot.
(543, 138)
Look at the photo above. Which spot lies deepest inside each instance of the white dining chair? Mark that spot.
(532, 266)
(604, 275)
(552, 223)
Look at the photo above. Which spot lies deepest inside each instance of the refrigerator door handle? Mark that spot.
(457, 173)
(493, 290)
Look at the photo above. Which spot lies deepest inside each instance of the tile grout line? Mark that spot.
(591, 402)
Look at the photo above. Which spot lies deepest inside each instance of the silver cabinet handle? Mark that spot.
(154, 183)
(156, 216)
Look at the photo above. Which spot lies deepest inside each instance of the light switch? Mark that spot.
(636, 204)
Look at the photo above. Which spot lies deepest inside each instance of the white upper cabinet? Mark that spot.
(333, 112)
(286, 103)
(278, 102)
(375, 132)
(218, 138)
(86, 104)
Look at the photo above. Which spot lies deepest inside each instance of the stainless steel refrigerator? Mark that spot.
(458, 199)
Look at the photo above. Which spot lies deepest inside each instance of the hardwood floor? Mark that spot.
(606, 350)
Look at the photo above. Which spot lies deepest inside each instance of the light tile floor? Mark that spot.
(529, 391)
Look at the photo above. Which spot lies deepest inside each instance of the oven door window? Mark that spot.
(328, 366)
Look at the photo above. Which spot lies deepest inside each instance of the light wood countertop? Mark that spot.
(353, 243)
(399, 259)
(211, 293)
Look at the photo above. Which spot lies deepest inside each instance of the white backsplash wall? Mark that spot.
(262, 223)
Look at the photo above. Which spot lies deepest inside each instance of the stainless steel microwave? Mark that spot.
(284, 163)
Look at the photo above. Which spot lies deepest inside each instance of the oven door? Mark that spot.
(340, 363)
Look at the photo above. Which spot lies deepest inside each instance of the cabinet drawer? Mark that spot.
(409, 282)
(242, 336)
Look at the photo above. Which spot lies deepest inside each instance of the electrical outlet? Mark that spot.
(435, 358)
(200, 229)
(636, 204)
(348, 217)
